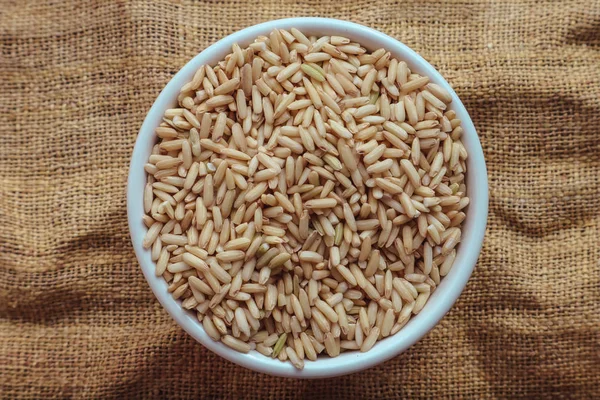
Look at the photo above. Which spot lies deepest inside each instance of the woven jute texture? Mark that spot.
(77, 318)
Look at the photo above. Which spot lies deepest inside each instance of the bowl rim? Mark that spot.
(442, 299)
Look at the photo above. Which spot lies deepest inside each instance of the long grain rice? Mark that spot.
(306, 196)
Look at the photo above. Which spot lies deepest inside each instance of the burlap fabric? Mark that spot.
(78, 320)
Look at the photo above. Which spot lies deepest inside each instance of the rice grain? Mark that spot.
(306, 187)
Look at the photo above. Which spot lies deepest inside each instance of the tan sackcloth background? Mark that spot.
(78, 320)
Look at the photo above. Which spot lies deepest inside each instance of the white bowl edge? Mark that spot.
(442, 299)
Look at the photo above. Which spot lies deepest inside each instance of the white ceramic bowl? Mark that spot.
(441, 300)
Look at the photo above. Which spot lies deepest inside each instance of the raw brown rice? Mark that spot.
(306, 196)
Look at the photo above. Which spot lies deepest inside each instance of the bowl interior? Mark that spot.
(440, 301)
